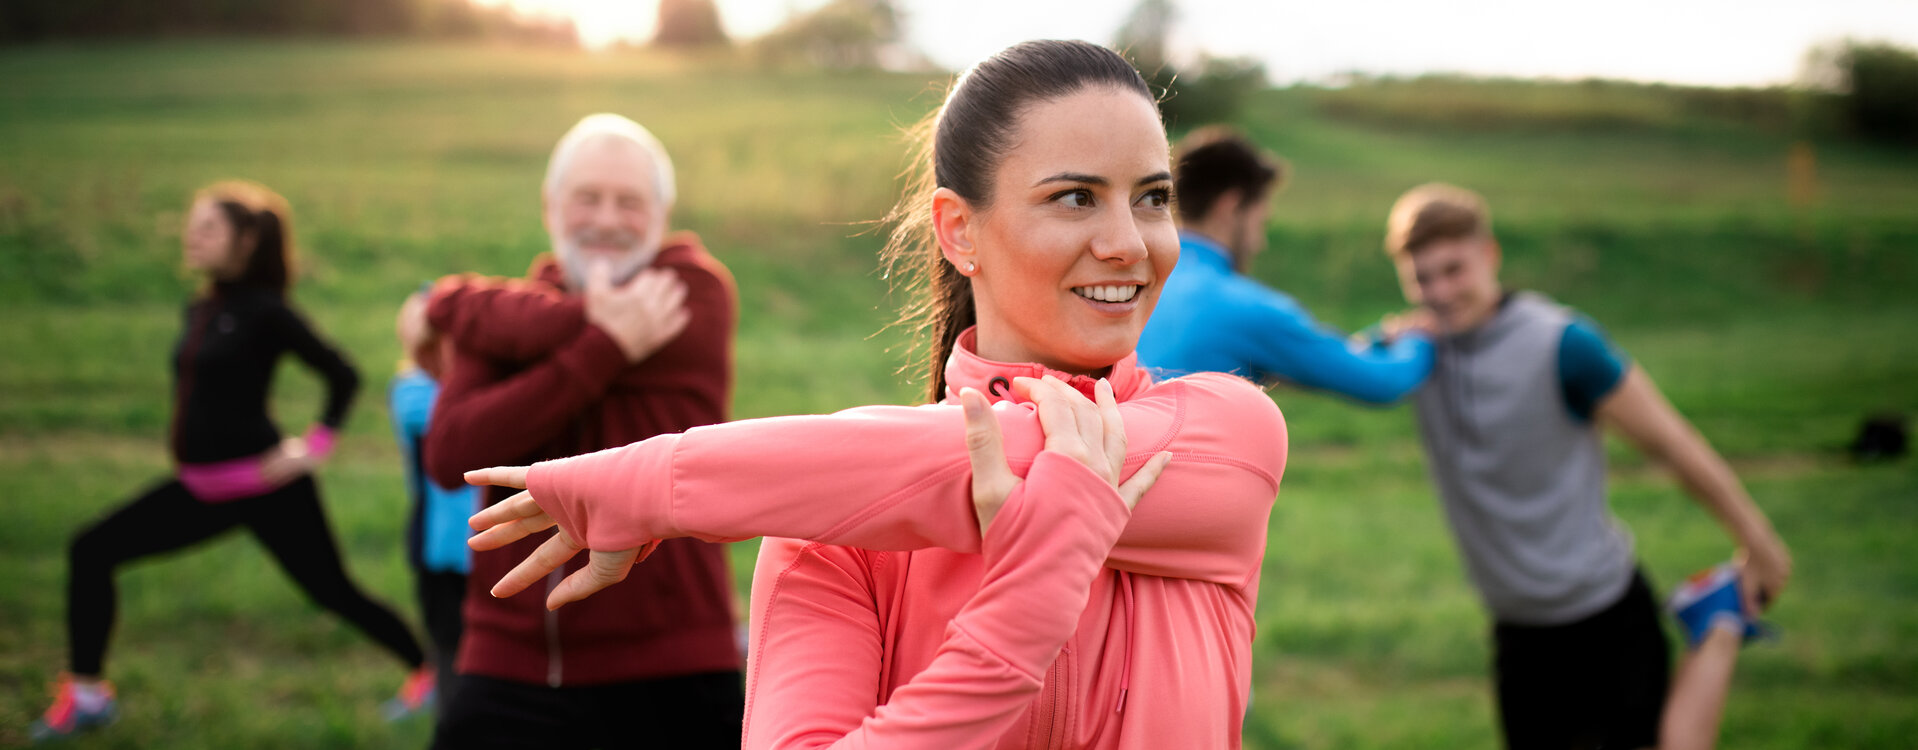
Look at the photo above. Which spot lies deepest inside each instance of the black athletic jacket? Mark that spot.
(223, 367)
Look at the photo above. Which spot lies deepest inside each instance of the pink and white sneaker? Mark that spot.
(77, 707)
(416, 694)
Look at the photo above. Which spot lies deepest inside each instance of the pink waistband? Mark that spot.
(221, 481)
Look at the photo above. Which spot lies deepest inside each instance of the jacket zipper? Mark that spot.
(1054, 706)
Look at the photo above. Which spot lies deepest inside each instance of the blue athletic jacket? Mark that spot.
(436, 529)
(1211, 318)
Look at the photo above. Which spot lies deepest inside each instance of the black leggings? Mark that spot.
(441, 597)
(288, 521)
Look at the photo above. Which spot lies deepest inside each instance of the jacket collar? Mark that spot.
(966, 368)
(1198, 248)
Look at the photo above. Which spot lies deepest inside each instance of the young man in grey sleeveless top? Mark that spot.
(1510, 421)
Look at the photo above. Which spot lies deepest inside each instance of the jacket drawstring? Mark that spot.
(1131, 623)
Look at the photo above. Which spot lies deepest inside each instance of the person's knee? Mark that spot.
(92, 550)
(339, 597)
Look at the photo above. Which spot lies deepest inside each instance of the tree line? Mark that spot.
(40, 20)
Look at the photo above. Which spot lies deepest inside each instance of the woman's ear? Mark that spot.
(953, 220)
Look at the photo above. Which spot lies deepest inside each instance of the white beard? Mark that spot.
(573, 262)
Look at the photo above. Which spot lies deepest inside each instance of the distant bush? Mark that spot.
(1464, 102)
(1876, 85)
(1215, 90)
(841, 35)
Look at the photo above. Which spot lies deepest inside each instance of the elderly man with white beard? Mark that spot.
(623, 331)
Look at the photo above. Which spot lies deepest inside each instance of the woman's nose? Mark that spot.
(1120, 240)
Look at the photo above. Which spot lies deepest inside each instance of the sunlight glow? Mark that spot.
(1706, 42)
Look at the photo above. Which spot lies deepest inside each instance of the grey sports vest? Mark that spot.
(1522, 481)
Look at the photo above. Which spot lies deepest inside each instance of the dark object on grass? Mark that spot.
(1881, 438)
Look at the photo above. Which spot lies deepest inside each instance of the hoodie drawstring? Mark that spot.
(1125, 670)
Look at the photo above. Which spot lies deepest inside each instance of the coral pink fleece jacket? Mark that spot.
(878, 622)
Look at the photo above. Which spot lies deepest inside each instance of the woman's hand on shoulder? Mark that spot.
(1092, 433)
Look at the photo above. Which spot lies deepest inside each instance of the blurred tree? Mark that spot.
(1877, 85)
(842, 34)
(1143, 35)
(689, 23)
(1211, 90)
(1216, 93)
(34, 20)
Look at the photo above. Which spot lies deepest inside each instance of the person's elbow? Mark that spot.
(348, 382)
(443, 457)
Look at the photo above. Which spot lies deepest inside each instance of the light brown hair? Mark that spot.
(1435, 212)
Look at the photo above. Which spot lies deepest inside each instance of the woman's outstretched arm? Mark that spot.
(895, 478)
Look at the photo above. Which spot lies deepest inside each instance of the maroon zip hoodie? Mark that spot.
(529, 380)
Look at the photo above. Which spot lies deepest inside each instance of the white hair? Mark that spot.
(607, 125)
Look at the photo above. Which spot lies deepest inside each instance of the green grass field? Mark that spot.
(1775, 327)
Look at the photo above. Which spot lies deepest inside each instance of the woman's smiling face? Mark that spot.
(1078, 236)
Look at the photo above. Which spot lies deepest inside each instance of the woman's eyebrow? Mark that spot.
(1091, 179)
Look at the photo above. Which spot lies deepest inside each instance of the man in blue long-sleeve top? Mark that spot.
(1212, 317)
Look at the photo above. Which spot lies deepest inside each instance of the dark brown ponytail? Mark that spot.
(262, 218)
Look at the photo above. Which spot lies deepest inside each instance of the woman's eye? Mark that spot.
(1156, 199)
(1075, 198)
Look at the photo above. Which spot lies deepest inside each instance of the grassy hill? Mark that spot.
(1775, 325)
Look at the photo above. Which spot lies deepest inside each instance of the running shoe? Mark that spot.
(416, 695)
(1708, 598)
(77, 707)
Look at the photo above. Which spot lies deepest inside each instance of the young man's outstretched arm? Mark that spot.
(1641, 413)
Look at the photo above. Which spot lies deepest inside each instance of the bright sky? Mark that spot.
(1708, 42)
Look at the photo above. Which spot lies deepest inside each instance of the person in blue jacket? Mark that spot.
(1213, 317)
(436, 528)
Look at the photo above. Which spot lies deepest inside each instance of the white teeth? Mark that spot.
(1108, 293)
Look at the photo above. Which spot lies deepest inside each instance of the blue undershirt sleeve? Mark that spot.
(1590, 366)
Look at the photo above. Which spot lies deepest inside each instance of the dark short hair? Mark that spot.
(1215, 160)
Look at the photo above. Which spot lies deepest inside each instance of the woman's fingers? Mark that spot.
(1091, 433)
(1057, 419)
(992, 477)
(552, 554)
(1087, 420)
(1143, 479)
(507, 521)
(1113, 424)
(983, 442)
(502, 476)
(602, 569)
